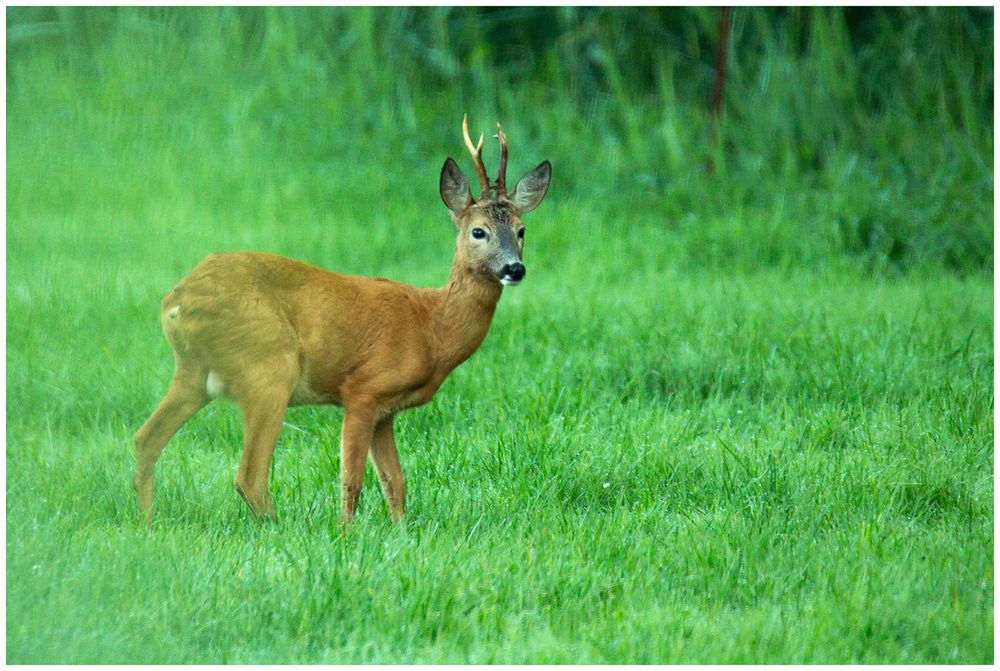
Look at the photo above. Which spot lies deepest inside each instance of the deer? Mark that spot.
(268, 333)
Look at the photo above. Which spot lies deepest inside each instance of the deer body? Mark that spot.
(342, 335)
(269, 332)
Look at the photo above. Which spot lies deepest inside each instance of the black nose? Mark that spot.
(514, 271)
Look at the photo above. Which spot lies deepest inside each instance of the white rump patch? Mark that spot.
(214, 385)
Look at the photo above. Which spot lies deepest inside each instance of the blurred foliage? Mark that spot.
(865, 131)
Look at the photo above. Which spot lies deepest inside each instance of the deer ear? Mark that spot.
(454, 187)
(531, 189)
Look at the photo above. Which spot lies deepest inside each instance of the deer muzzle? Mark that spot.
(512, 274)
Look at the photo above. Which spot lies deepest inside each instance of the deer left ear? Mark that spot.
(454, 187)
(531, 189)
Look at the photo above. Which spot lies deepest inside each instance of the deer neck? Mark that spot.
(464, 313)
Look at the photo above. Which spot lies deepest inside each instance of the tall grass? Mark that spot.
(858, 132)
(737, 416)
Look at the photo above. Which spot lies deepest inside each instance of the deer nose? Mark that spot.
(514, 271)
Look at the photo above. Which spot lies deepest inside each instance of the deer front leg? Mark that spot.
(390, 473)
(355, 441)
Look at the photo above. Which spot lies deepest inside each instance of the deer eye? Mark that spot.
(478, 233)
(520, 234)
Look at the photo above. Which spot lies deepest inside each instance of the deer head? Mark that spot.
(490, 231)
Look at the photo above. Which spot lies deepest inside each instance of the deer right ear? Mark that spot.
(454, 187)
(531, 189)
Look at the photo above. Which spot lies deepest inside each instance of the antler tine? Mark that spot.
(502, 174)
(477, 158)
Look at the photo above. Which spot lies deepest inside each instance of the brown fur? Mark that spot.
(269, 332)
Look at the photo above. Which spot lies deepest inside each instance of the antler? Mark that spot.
(477, 158)
(502, 174)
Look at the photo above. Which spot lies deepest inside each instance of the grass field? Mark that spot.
(737, 418)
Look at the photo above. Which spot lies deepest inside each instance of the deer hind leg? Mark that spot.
(390, 472)
(355, 442)
(263, 413)
(185, 397)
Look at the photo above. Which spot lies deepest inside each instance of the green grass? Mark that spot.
(723, 420)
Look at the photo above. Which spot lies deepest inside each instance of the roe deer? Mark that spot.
(268, 332)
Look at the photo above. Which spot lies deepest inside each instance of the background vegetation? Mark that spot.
(752, 418)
